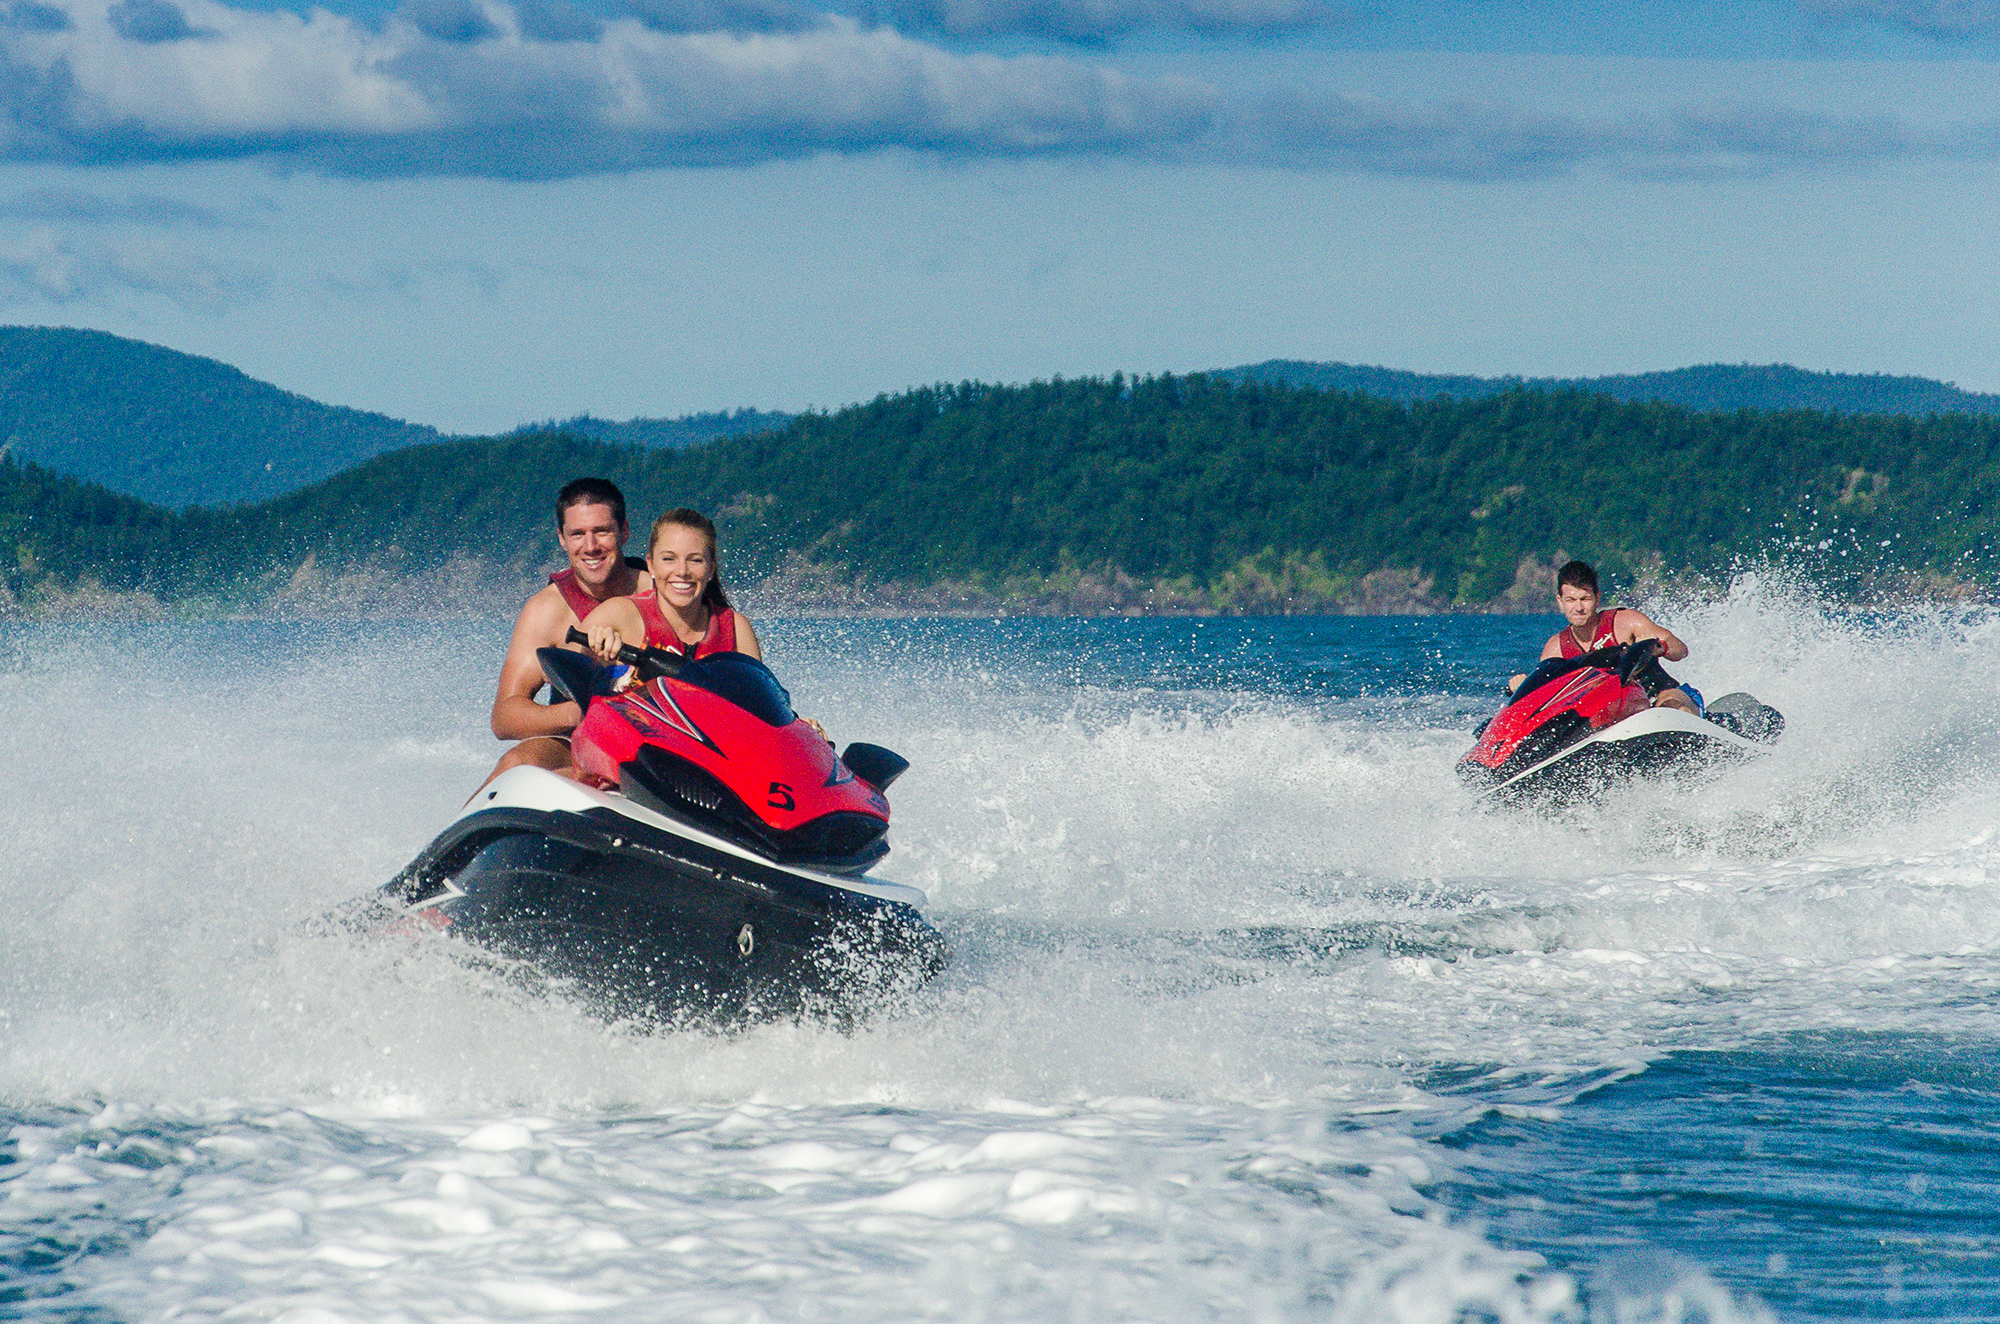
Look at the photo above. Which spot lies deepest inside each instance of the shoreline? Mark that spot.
(465, 589)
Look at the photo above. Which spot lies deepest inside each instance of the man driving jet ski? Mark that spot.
(591, 528)
(1612, 627)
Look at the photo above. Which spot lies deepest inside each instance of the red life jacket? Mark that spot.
(1605, 637)
(720, 638)
(573, 593)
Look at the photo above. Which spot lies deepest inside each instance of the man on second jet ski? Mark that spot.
(1611, 627)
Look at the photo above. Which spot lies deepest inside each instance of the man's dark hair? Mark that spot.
(590, 492)
(1577, 574)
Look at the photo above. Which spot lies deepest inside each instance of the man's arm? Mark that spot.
(1636, 625)
(516, 715)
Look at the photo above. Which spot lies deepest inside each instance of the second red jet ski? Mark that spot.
(1577, 723)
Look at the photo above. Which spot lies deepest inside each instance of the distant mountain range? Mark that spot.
(176, 429)
(1709, 387)
(687, 430)
(173, 428)
(179, 430)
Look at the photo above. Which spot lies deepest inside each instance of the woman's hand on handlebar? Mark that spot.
(605, 641)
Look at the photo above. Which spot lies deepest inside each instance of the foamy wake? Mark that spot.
(1215, 950)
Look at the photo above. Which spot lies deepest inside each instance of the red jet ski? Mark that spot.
(1576, 724)
(711, 863)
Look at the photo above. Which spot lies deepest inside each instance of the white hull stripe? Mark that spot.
(538, 788)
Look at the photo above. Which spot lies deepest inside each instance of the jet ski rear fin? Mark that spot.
(875, 765)
(1744, 715)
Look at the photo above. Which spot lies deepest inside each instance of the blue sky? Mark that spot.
(474, 213)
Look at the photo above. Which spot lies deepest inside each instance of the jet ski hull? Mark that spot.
(1656, 742)
(645, 915)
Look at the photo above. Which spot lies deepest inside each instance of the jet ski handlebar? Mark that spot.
(651, 663)
(1633, 657)
(1625, 659)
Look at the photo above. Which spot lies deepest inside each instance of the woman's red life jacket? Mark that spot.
(720, 638)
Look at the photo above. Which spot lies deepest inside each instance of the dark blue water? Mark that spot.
(1832, 1175)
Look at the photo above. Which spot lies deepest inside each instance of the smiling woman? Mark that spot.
(686, 608)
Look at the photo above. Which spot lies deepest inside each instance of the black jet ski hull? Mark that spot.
(1659, 742)
(640, 915)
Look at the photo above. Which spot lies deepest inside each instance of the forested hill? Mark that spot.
(1167, 493)
(1712, 386)
(687, 430)
(176, 429)
(172, 428)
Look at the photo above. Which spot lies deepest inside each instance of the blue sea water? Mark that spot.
(1253, 1015)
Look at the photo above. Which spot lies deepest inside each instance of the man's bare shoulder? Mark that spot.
(545, 615)
(1630, 621)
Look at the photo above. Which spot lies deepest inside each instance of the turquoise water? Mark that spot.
(1253, 1016)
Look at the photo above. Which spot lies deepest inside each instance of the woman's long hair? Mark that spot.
(712, 595)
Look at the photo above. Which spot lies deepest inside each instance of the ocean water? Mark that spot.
(1253, 1016)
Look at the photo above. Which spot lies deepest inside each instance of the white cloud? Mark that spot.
(428, 93)
(43, 267)
(475, 87)
(1951, 19)
(151, 21)
(1101, 20)
(80, 206)
(1388, 137)
(1459, 140)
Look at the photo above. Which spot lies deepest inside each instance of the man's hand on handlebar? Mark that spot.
(1636, 657)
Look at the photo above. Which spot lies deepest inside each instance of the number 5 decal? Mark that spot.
(781, 797)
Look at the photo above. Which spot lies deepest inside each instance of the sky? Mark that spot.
(479, 213)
